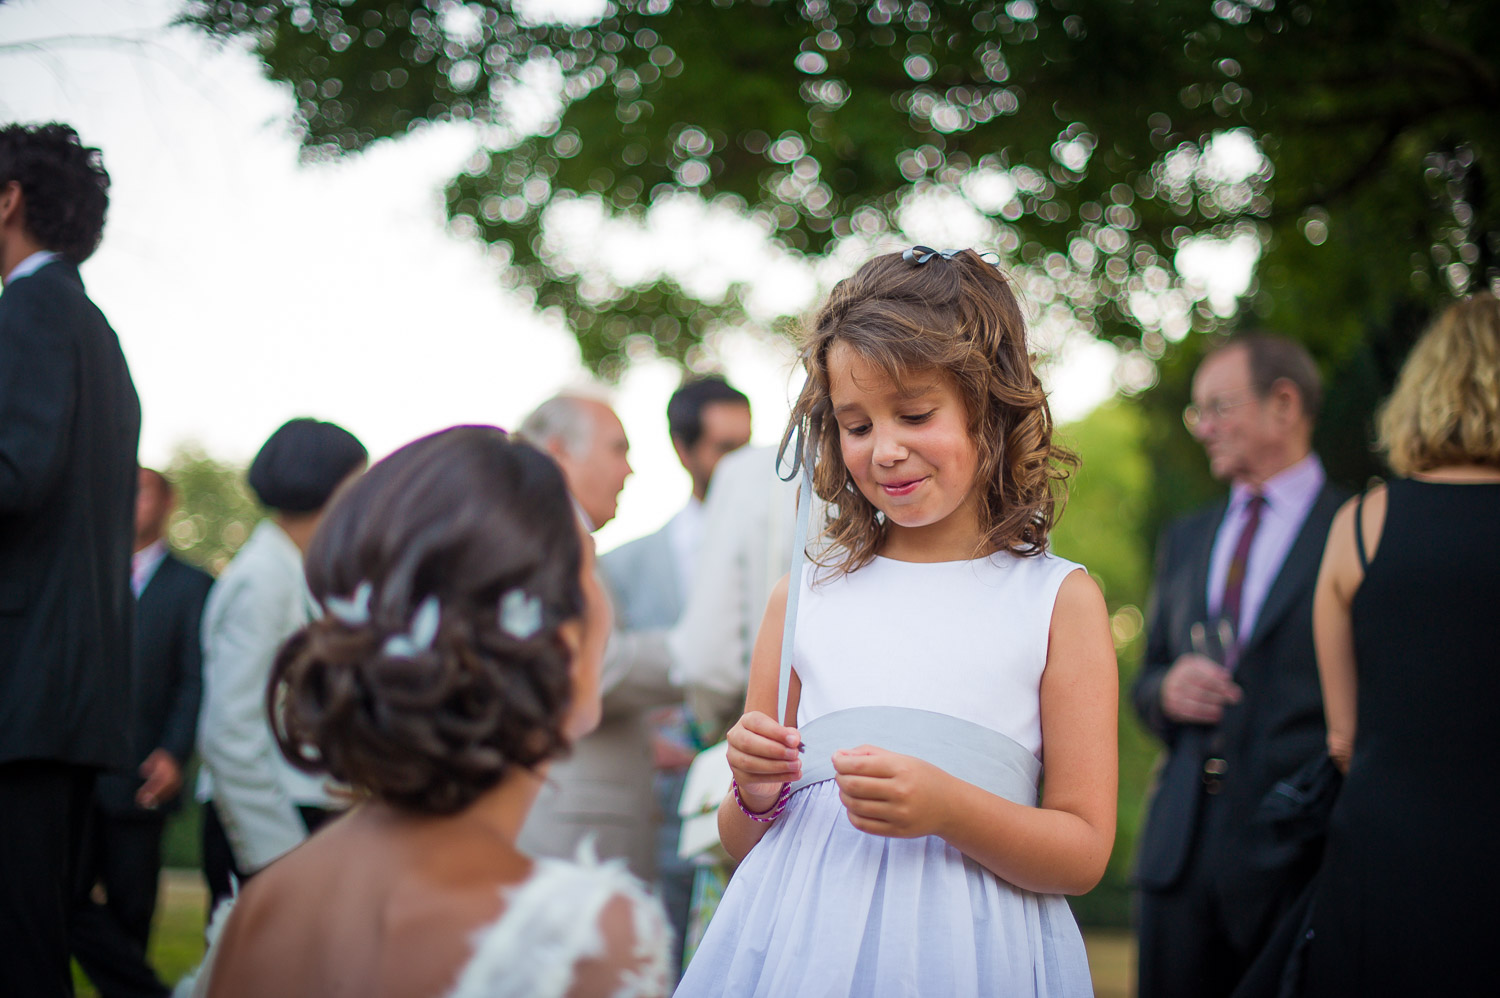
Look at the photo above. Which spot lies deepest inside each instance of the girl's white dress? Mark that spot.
(953, 652)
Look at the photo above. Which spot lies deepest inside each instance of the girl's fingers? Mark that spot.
(763, 769)
(873, 810)
(860, 762)
(874, 826)
(767, 727)
(759, 745)
(866, 788)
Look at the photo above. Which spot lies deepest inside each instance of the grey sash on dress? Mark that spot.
(971, 752)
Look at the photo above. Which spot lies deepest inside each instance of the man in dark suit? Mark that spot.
(1230, 682)
(123, 845)
(69, 424)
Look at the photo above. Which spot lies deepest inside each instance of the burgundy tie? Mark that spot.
(1234, 582)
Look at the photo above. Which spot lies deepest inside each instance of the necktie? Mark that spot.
(1234, 582)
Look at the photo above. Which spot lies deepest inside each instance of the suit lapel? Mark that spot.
(1298, 572)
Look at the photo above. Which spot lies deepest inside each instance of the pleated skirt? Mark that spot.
(823, 910)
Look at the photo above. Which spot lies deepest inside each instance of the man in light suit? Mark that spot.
(602, 789)
(69, 423)
(650, 579)
(1229, 681)
(123, 851)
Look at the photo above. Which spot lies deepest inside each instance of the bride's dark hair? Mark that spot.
(467, 516)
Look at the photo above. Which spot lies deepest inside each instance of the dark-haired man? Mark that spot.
(69, 424)
(123, 851)
(650, 579)
(1229, 681)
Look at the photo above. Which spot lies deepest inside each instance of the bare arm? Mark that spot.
(1333, 630)
(1061, 846)
(762, 753)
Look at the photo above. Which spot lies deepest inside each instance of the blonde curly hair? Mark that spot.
(1445, 409)
(958, 315)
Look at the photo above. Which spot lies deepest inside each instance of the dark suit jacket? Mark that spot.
(1276, 728)
(69, 424)
(168, 680)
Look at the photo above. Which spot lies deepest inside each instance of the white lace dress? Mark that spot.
(550, 924)
(938, 661)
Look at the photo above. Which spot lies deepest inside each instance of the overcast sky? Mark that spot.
(247, 288)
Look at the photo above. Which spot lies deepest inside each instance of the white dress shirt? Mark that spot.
(144, 563)
(30, 265)
(684, 533)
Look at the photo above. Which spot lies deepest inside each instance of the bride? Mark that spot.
(458, 652)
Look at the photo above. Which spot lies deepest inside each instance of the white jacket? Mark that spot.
(259, 601)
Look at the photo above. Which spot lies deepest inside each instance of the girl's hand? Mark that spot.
(897, 796)
(763, 755)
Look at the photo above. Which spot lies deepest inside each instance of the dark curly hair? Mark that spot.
(64, 184)
(465, 515)
(958, 315)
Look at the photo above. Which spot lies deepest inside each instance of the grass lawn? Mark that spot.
(177, 941)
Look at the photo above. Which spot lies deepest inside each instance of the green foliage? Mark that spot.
(1107, 502)
(1103, 528)
(1086, 134)
(215, 509)
(176, 945)
(182, 840)
(215, 514)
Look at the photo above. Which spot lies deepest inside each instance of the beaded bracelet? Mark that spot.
(769, 814)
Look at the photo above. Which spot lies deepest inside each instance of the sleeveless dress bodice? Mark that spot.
(940, 661)
(1405, 897)
(963, 638)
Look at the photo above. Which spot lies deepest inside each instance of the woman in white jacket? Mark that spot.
(258, 807)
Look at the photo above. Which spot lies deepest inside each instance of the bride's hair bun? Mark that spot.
(428, 709)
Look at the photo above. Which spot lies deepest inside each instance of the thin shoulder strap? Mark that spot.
(794, 584)
(1359, 532)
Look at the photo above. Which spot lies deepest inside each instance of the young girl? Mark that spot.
(890, 829)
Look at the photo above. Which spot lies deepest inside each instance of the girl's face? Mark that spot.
(587, 636)
(909, 453)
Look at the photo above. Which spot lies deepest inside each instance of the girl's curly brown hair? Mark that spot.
(465, 515)
(957, 315)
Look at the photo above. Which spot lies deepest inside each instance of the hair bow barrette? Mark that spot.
(353, 611)
(520, 614)
(417, 638)
(921, 254)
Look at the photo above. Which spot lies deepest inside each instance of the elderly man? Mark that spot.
(1229, 681)
(602, 789)
(69, 423)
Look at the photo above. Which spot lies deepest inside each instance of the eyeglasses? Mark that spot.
(1194, 415)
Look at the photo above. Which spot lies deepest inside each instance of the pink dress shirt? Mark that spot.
(1290, 495)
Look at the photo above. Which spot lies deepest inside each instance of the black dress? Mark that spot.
(1407, 898)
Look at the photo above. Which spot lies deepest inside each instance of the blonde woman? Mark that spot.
(1407, 627)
